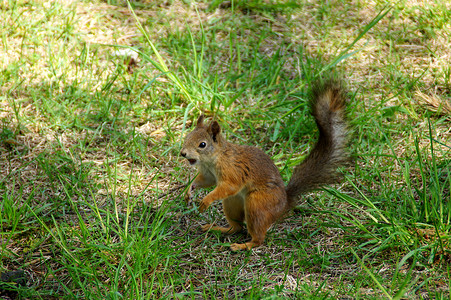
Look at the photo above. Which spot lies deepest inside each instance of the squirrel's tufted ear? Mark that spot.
(200, 121)
(214, 130)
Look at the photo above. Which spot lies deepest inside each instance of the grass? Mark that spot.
(91, 182)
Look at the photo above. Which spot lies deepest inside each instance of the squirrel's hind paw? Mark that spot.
(207, 227)
(245, 246)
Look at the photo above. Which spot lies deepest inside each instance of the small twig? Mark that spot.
(170, 191)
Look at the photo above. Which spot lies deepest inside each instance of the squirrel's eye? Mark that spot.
(202, 145)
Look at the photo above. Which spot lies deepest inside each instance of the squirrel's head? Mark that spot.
(201, 144)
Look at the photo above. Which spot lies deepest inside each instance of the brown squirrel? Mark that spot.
(247, 181)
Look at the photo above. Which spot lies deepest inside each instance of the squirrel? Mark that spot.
(248, 182)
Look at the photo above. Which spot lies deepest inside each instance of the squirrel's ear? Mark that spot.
(200, 121)
(214, 129)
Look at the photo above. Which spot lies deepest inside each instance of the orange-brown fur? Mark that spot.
(247, 181)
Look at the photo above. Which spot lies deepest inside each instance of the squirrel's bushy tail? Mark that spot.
(320, 167)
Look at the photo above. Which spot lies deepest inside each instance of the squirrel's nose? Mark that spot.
(182, 153)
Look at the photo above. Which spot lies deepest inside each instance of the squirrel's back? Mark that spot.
(249, 164)
(320, 167)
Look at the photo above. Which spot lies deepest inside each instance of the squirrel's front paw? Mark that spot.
(189, 193)
(187, 197)
(203, 205)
